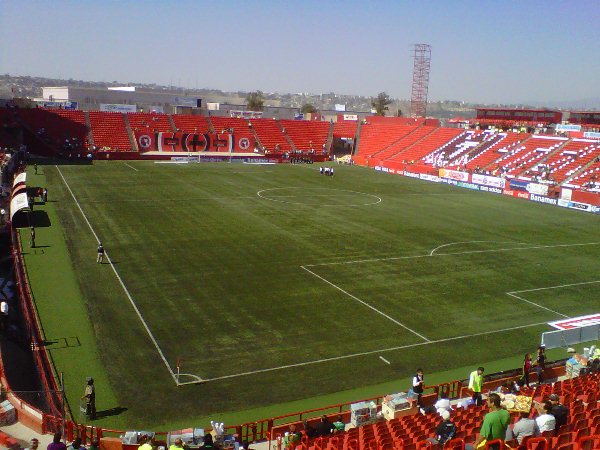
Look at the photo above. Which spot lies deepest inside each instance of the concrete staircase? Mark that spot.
(502, 156)
(132, 141)
(172, 123)
(287, 138)
(329, 138)
(545, 158)
(88, 124)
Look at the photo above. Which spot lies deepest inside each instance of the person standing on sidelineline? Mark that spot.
(476, 384)
(100, 258)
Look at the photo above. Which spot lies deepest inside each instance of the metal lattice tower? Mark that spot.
(420, 84)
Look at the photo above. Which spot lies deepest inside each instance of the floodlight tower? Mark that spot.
(420, 84)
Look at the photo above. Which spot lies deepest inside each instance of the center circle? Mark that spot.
(318, 196)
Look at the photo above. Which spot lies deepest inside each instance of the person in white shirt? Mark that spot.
(443, 404)
(545, 421)
(418, 385)
(3, 315)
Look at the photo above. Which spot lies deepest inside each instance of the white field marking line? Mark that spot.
(131, 167)
(554, 287)
(137, 311)
(370, 352)
(196, 379)
(474, 242)
(392, 258)
(384, 360)
(259, 193)
(304, 196)
(381, 313)
(170, 200)
(536, 304)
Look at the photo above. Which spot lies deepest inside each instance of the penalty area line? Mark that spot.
(134, 306)
(381, 313)
(366, 353)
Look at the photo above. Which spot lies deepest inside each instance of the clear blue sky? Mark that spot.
(483, 51)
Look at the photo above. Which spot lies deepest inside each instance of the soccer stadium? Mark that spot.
(197, 268)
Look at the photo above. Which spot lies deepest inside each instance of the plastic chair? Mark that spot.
(589, 442)
(455, 444)
(538, 443)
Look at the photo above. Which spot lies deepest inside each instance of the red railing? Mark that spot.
(33, 330)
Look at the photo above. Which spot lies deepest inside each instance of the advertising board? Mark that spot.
(454, 175)
(487, 180)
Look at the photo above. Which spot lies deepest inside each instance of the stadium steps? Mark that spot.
(286, 136)
(397, 141)
(545, 158)
(357, 138)
(172, 123)
(31, 139)
(88, 124)
(211, 127)
(421, 136)
(329, 140)
(258, 141)
(130, 135)
(578, 171)
(496, 160)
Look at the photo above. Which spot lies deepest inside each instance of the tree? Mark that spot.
(308, 108)
(255, 101)
(380, 104)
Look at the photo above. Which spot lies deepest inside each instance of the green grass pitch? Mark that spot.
(278, 284)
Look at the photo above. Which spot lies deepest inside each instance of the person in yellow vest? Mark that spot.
(178, 445)
(476, 385)
(145, 443)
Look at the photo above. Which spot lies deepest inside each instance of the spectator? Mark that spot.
(559, 411)
(76, 445)
(540, 363)
(495, 423)
(418, 382)
(526, 369)
(293, 437)
(476, 384)
(324, 427)
(3, 315)
(95, 445)
(545, 421)
(177, 445)
(444, 432)
(309, 430)
(524, 427)
(33, 444)
(443, 404)
(208, 442)
(56, 443)
(339, 425)
(145, 443)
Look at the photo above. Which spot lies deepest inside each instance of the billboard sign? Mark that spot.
(117, 107)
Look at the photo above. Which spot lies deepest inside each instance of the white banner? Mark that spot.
(539, 189)
(576, 322)
(353, 117)
(426, 176)
(454, 175)
(340, 107)
(18, 203)
(561, 127)
(21, 178)
(116, 107)
(591, 135)
(488, 181)
(565, 194)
